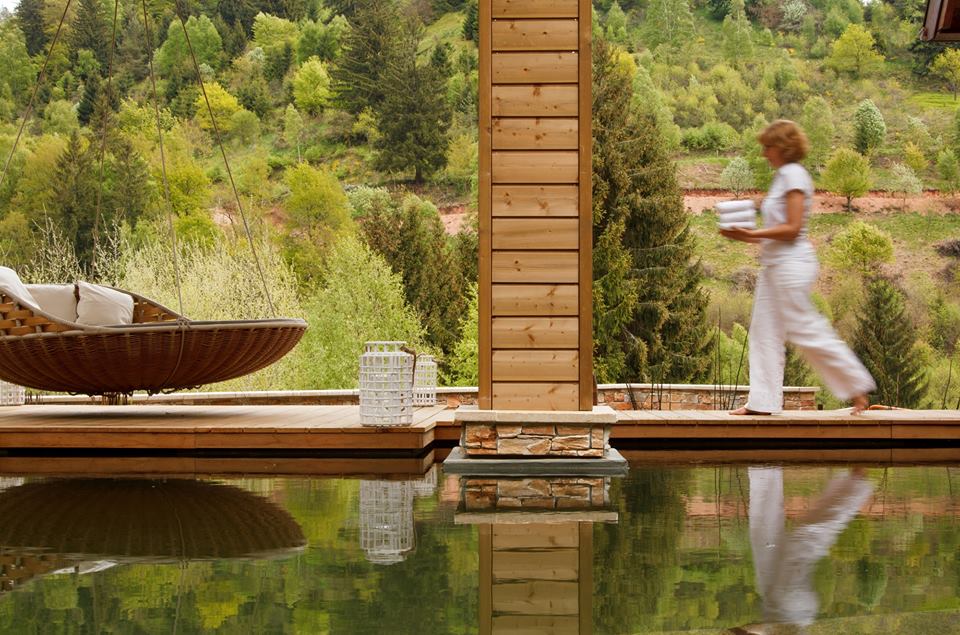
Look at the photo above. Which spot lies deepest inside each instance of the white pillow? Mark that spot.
(100, 306)
(10, 281)
(59, 300)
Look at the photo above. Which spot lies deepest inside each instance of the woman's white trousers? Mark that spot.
(783, 312)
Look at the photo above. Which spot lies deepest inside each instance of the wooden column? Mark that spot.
(536, 333)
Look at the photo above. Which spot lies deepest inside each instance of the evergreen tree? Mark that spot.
(75, 197)
(649, 308)
(30, 16)
(869, 128)
(737, 33)
(90, 32)
(88, 101)
(371, 41)
(885, 340)
(471, 24)
(132, 189)
(412, 240)
(414, 116)
(668, 22)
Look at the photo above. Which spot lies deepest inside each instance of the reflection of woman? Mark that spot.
(782, 310)
(784, 561)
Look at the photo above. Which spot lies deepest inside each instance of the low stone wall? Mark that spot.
(538, 439)
(617, 396)
(544, 493)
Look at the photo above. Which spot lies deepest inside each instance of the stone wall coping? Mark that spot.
(501, 517)
(599, 414)
(700, 387)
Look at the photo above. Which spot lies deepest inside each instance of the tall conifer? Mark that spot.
(885, 340)
(373, 38)
(30, 16)
(75, 196)
(90, 32)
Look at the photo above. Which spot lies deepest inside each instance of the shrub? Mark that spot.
(712, 136)
(847, 173)
(737, 176)
(860, 247)
(869, 128)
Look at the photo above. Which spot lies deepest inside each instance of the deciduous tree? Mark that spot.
(854, 52)
(847, 174)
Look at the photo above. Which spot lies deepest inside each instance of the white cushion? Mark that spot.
(100, 306)
(59, 300)
(10, 281)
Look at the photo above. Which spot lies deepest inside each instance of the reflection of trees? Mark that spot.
(637, 559)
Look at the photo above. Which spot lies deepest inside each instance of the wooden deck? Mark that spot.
(291, 429)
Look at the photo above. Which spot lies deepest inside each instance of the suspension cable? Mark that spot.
(163, 162)
(36, 88)
(226, 163)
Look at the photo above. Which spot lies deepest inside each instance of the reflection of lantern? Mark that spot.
(427, 485)
(386, 520)
(425, 381)
(12, 394)
(386, 382)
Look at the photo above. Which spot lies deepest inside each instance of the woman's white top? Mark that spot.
(789, 177)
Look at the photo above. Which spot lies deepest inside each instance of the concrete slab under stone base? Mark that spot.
(611, 463)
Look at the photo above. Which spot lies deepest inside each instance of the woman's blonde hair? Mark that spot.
(787, 136)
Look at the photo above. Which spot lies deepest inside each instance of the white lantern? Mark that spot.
(427, 485)
(386, 520)
(425, 381)
(386, 385)
(12, 394)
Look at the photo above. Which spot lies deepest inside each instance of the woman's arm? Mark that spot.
(786, 232)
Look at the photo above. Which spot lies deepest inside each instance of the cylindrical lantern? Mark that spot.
(12, 394)
(386, 385)
(425, 381)
(427, 485)
(386, 520)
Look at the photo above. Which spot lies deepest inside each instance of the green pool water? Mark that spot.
(813, 549)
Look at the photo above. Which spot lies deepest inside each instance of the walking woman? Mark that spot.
(782, 309)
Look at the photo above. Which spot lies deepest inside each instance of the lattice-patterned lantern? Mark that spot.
(386, 520)
(425, 381)
(12, 394)
(386, 385)
(427, 485)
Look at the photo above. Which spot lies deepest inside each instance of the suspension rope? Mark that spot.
(103, 132)
(36, 88)
(226, 163)
(163, 162)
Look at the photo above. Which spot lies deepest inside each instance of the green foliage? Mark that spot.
(189, 185)
(17, 243)
(712, 136)
(949, 169)
(944, 329)
(311, 86)
(74, 196)
(854, 52)
(224, 107)
(30, 20)
(860, 247)
(293, 128)
(245, 126)
(737, 34)
(946, 66)
(615, 24)
(817, 123)
(60, 117)
(412, 240)
(463, 369)
(322, 40)
(316, 197)
(471, 23)
(648, 304)
(272, 31)
(737, 176)
(90, 32)
(847, 173)
(904, 181)
(914, 158)
(413, 118)
(668, 22)
(361, 300)
(371, 41)
(886, 342)
(869, 128)
(18, 69)
(173, 57)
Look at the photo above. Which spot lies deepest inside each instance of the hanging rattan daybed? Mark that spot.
(160, 351)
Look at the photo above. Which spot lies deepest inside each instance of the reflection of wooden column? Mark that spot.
(535, 339)
(536, 578)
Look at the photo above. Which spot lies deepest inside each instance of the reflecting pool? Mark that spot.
(667, 549)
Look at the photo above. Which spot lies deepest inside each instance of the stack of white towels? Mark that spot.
(737, 214)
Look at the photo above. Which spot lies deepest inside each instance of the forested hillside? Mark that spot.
(348, 123)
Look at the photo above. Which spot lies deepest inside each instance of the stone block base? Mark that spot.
(489, 433)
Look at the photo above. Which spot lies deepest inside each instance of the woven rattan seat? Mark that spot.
(160, 351)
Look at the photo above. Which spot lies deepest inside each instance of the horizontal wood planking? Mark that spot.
(547, 166)
(535, 133)
(536, 233)
(536, 536)
(536, 365)
(535, 396)
(535, 200)
(534, 68)
(534, 332)
(555, 564)
(535, 35)
(537, 598)
(534, 9)
(555, 267)
(535, 100)
(535, 299)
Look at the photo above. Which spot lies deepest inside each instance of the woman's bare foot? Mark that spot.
(746, 411)
(860, 403)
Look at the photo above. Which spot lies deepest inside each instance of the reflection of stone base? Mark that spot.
(611, 463)
(537, 499)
